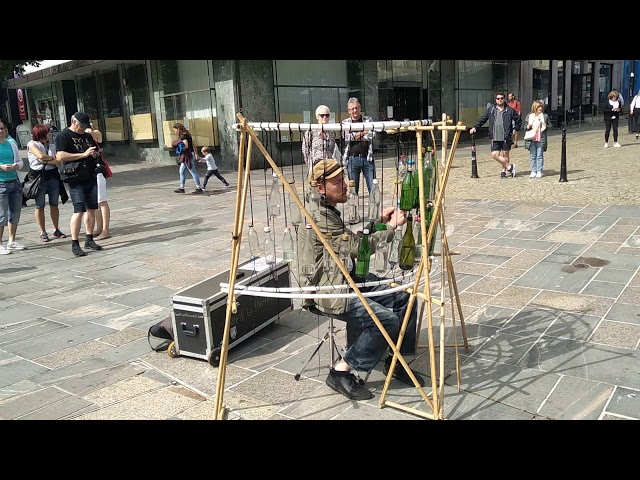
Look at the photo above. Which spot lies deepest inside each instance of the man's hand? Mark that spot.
(89, 151)
(398, 218)
(7, 167)
(472, 131)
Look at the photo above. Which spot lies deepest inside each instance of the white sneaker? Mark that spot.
(15, 246)
(606, 145)
(617, 144)
(539, 175)
(533, 174)
(4, 250)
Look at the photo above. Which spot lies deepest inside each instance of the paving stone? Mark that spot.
(617, 333)
(625, 402)
(624, 312)
(571, 302)
(576, 399)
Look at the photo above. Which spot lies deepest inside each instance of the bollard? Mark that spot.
(474, 162)
(563, 157)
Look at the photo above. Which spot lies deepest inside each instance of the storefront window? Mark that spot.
(541, 81)
(196, 112)
(478, 81)
(604, 83)
(88, 97)
(111, 106)
(138, 102)
(42, 105)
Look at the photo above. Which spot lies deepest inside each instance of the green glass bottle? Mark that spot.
(429, 216)
(408, 246)
(364, 256)
(427, 174)
(407, 192)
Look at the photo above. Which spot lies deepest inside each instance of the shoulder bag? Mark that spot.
(31, 184)
(75, 172)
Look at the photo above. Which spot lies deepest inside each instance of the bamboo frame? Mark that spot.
(248, 136)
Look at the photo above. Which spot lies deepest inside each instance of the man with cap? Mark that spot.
(74, 144)
(366, 344)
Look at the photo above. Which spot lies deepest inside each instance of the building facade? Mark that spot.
(136, 102)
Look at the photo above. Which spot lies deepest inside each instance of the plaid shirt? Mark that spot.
(350, 137)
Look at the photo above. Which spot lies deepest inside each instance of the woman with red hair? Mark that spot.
(41, 152)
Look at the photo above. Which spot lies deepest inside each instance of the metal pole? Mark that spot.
(474, 163)
(563, 157)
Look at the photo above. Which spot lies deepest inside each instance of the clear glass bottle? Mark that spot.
(275, 198)
(288, 246)
(402, 166)
(344, 252)
(394, 248)
(407, 247)
(307, 255)
(417, 235)
(407, 192)
(364, 256)
(374, 201)
(382, 250)
(294, 211)
(353, 216)
(314, 199)
(328, 265)
(269, 247)
(254, 243)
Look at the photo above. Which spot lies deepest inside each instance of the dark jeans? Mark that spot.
(366, 344)
(608, 123)
(357, 164)
(217, 174)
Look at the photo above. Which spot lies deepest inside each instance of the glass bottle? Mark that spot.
(407, 247)
(344, 252)
(382, 250)
(314, 199)
(275, 198)
(402, 166)
(407, 192)
(364, 256)
(295, 213)
(307, 255)
(429, 217)
(254, 243)
(417, 235)
(352, 204)
(394, 248)
(374, 201)
(434, 174)
(288, 246)
(269, 247)
(427, 175)
(328, 265)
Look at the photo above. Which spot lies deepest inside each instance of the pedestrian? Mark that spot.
(503, 122)
(41, 152)
(517, 106)
(187, 158)
(320, 144)
(535, 137)
(10, 191)
(366, 344)
(611, 112)
(634, 113)
(212, 168)
(358, 150)
(74, 144)
(101, 229)
(620, 97)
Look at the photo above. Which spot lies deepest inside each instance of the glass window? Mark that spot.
(88, 99)
(42, 105)
(560, 96)
(324, 73)
(478, 81)
(541, 81)
(111, 106)
(604, 82)
(178, 76)
(138, 102)
(195, 111)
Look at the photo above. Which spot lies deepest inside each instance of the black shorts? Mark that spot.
(84, 196)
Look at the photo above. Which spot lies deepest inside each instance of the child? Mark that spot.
(212, 168)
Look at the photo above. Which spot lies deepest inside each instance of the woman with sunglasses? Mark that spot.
(320, 144)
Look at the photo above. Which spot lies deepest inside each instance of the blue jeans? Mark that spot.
(357, 164)
(192, 171)
(366, 344)
(50, 187)
(536, 156)
(10, 202)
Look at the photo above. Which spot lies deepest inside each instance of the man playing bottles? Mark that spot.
(366, 344)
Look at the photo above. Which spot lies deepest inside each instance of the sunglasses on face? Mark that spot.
(499, 98)
(324, 115)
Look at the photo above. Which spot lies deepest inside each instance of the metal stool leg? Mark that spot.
(330, 335)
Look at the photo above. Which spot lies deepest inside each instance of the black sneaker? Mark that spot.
(503, 174)
(91, 245)
(197, 191)
(401, 374)
(348, 385)
(77, 251)
(512, 170)
(179, 190)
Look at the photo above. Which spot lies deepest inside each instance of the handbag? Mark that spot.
(530, 134)
(75, 172)
(31, 184)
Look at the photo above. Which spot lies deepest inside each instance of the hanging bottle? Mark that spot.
(307, 255)
(433, 189)
(269, 247)
(344, 252)
(314, 199)
(254, 243)
(394, 248)
(328, 265)
(353, 216)
(374, 201)
(294, 211)
(288, 246)
(427, 175)
(382, 250)
(275, 198)
(364, 256)
(429, 217)
(407, 192)
(402, 166)
(417, 235)
(408, 246)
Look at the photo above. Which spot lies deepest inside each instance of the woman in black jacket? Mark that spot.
(612, 109)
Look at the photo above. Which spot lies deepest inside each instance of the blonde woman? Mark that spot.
(535, 140)
(612, 110)
(318, 144)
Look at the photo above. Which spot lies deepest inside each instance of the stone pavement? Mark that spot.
(547, 274)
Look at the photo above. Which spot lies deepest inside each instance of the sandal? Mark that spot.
(59, 234)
